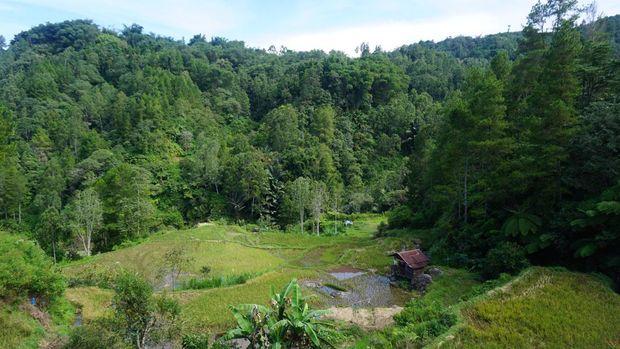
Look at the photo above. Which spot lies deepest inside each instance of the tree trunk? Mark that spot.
(465, 203)
(86, 251)
(54, 247)
(318, 225)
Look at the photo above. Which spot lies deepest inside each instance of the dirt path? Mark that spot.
(366, 318)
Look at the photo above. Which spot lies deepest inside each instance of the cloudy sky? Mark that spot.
(296, 24)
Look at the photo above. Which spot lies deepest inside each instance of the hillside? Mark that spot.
(274, 258)
(157, 192)
(542, 307)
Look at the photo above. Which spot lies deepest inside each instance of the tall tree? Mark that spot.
(85, 215)
(298, 197)
(319, 197)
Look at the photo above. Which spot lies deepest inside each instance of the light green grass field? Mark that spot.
(229, 250)
(542, 308)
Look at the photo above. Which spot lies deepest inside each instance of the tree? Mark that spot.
(49, 230)
(297, 196)
(129, 210)
(281, 127)
(323, 124)
(209, 163)
(85, 217)
(143, 318)
(13, 189)
(249, 187)
(318, 201)
(175, 261)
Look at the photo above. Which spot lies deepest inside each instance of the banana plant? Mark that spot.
(288, 323)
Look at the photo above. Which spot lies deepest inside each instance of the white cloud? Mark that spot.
(184, 17)
(388, 35)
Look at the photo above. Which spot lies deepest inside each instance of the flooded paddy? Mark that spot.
(349, 287)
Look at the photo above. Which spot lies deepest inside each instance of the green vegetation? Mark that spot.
(27, 274)
(289, 322)
(541, 307)
(217, 281)
(492, 154)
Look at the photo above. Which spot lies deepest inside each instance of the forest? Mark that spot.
(503, 149)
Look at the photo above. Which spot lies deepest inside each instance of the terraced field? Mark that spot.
(230, 250)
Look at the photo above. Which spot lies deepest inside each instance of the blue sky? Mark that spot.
(299, 25)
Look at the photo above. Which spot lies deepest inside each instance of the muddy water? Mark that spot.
(345, 275)
(363, 290)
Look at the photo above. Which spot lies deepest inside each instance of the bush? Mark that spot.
(195, 341)
(381, 229)
(506, 257)
(25, 271)
(141, 317)
(217, 281)
(422, 320)
(98, 334)
(400, 217)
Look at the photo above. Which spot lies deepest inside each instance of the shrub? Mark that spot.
(400, 217)
(25, 271)
(195, 341)
(287, 323)
(217, 281)
(381, 229)
(506, 257)
(422, 320)
(205, 270)
(98, 334)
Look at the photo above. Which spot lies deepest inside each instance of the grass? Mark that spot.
(449, 288)
(18, 329)
(544, 307)
(208, 311)
(273, 258)
(23, 326)
(335, 287)
(222, 257)
(217, 281)
(94, 302)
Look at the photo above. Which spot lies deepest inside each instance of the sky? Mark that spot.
(295, 24)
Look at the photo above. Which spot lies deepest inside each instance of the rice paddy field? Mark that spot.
(275, 257)
(541, 308)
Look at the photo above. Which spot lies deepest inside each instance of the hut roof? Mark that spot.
(416, 259)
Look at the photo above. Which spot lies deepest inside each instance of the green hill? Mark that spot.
(541, 308)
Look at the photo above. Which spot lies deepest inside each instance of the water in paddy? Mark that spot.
(362, 290)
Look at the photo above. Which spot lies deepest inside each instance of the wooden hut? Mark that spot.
(408, 264)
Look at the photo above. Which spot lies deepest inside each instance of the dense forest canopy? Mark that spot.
(504, 146)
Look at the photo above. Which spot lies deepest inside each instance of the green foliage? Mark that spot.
(426, 320)
(195, 341)
(142, 317)
(25, 272)
(506, 257)
(288, 322)
(99, 334)
(217, 281)
(400, 217)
